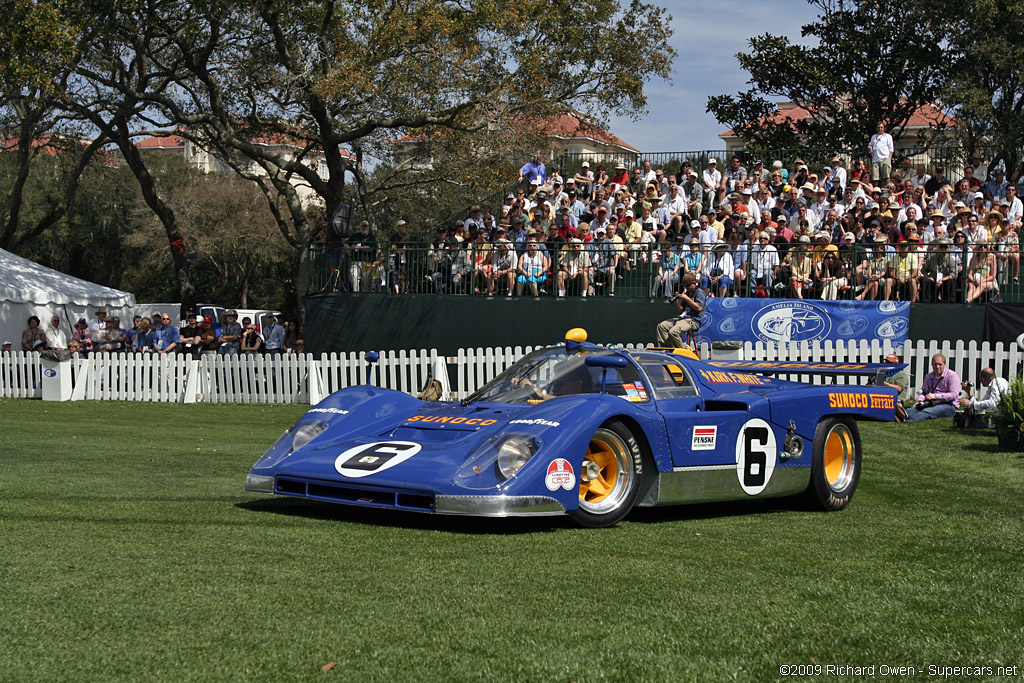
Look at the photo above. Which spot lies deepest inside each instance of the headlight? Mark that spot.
(294, 437)
(513, 453)
(305, 433)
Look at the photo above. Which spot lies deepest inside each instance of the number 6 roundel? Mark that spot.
(371, 458)
(755, 456)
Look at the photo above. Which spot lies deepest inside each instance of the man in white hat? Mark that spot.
(604, 257)
(585, 181)
(712, 179)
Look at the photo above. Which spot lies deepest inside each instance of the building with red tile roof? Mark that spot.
(926, 117)
(198, 157)
(568, 133)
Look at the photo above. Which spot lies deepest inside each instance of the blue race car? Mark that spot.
(589, 431)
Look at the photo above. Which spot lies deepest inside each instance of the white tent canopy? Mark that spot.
(27, 288)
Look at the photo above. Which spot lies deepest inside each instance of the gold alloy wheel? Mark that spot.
(839, 457)
(607, 473)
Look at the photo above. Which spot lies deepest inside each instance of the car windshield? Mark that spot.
(552, 372)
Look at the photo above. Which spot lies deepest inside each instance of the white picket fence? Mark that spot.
(307, 379)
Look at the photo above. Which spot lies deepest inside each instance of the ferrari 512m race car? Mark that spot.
(589, 431)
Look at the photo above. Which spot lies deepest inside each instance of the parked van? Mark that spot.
(258, 315)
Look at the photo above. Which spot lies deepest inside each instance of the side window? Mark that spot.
(625, 382)
(668, 379)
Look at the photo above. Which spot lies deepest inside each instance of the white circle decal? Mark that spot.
(755, 456)
(362, 461)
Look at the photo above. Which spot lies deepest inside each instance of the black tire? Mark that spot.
(835, 467)
(609, 476)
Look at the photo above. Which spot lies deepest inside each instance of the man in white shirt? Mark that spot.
(648, 175)
(996, 388)
(881, 147)
(764, 262)
(747, 199)
(820, 206)
(1016, 206)
(838, 173)
(712, 180)
(98, 324)
(920, 177)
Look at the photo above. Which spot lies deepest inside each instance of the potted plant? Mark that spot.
(1009, 417)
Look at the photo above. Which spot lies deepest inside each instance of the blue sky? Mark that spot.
(706, 37)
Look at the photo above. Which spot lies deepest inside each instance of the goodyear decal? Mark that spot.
(451, 419)
(861, 400)
(722, 377)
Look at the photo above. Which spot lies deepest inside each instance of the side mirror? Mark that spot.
(605, 362)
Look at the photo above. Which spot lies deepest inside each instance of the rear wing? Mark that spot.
(759, 367)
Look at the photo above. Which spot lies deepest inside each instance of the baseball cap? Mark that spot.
(712, 160)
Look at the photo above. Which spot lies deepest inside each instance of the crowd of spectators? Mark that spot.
(159, 335)
(855, 228)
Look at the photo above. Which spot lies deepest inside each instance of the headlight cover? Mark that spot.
(482, 469)
(305, 433)
(295, 437)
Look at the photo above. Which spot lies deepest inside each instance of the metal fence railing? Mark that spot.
(920, 273)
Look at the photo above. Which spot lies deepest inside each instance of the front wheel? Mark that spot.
(609, 476)
(835, 468)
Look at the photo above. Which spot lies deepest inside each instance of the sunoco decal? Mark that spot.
(860, 400)
(451, 419)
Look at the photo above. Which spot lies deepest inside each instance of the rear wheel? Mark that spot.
(609, 476)
(835, 468)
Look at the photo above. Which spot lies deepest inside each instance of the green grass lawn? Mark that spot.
(131, 552)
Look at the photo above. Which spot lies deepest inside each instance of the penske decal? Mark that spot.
(451, 419)
(704, 438)
(861, 400)
(722, 377)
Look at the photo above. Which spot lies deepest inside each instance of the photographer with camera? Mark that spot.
(975, 412)
(940, 394)
(690, 303)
